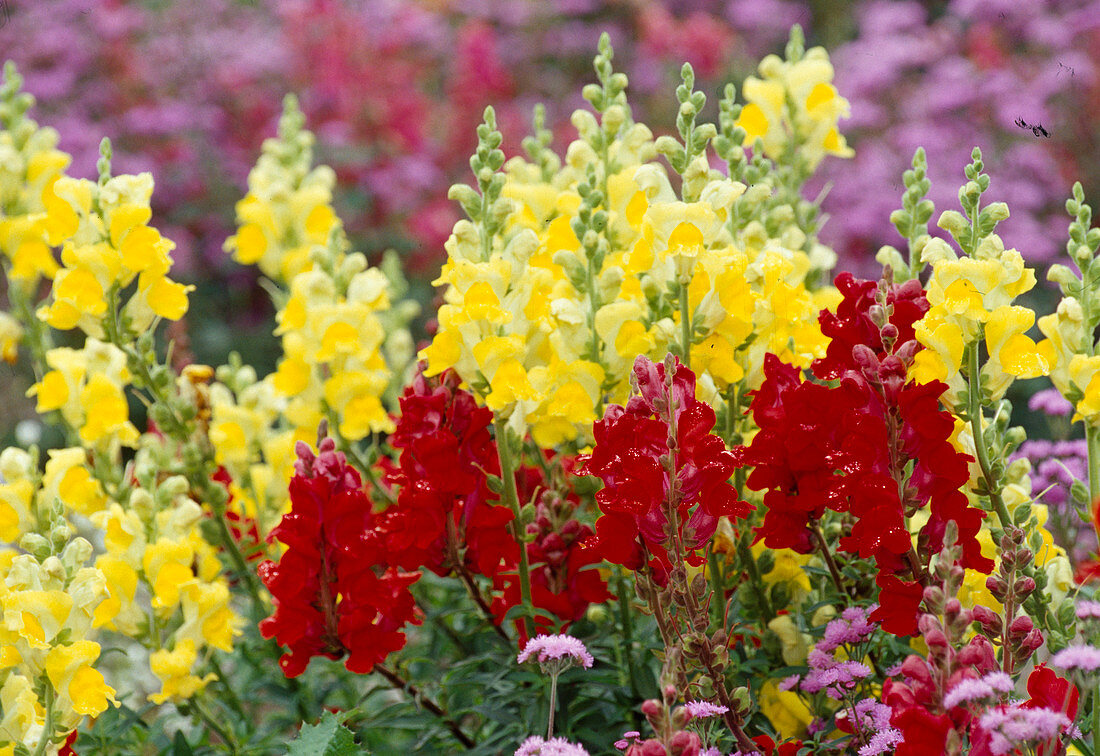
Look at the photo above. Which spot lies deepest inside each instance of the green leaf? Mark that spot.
(326, 738)
(180, 746)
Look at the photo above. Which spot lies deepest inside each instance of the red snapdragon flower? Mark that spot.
(445, 509)
(656, 456)
(332, 593)
(876, 446)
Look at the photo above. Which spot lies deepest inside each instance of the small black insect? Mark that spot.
(1063, 67)
(1036, 129)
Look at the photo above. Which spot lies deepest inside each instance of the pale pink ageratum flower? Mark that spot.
(1012, 728)
(980, 689)
(704, 709)
(1085, 658)
(1088, 610)
(545, 648)
(536, 746)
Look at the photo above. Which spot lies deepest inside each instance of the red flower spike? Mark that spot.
(333, 596)
(632, 446)
(846, 448)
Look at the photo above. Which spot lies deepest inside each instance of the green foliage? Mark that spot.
(328, 737)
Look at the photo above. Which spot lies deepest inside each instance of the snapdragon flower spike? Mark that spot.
(445, 511)
(886, 434)
(644, 478)
(332, 592)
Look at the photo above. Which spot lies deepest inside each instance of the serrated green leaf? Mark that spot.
(326, 738)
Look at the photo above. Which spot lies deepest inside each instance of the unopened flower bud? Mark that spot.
(1021, 625)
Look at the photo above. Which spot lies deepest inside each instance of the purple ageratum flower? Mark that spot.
(873, 715)
(1012, 728)
(1088, 609)
(789, 682)
(882, 742)
(536, 746)
(1084, 658)
(562, 648)
(850, 628)
(704, 709)
(1050, 401)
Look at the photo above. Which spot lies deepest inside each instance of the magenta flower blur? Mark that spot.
(704, 709)
(1088, 609)
(1083, 658)
(623, 743)
(561, 648)
(536, 746)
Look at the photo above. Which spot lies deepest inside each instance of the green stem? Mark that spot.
(975, 412)
(47, 728)
(717, 584)
(749, 563)
(209, 720)
(231, 696)
(511, 496)
(1096, 721)
(685, 326)
(1092, 439)
(553, 705)
(627, 622)
(421, 699)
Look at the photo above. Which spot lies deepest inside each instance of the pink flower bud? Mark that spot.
(1022, 625)
(685, 744)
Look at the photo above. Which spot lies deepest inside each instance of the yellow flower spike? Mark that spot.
(167, 566)
(106, 412)
(19, 708)
(117, 611)
(126, 218)
(173, 668)
(820, 96)
(16, 500)
(1084, 373)
(37, 616)
(79, 686)
(1011, 353)
(251, 243)
(509, 384)
(67, 476)
(480, 302)
(207, 615)
(754, 122)
(167, 299)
